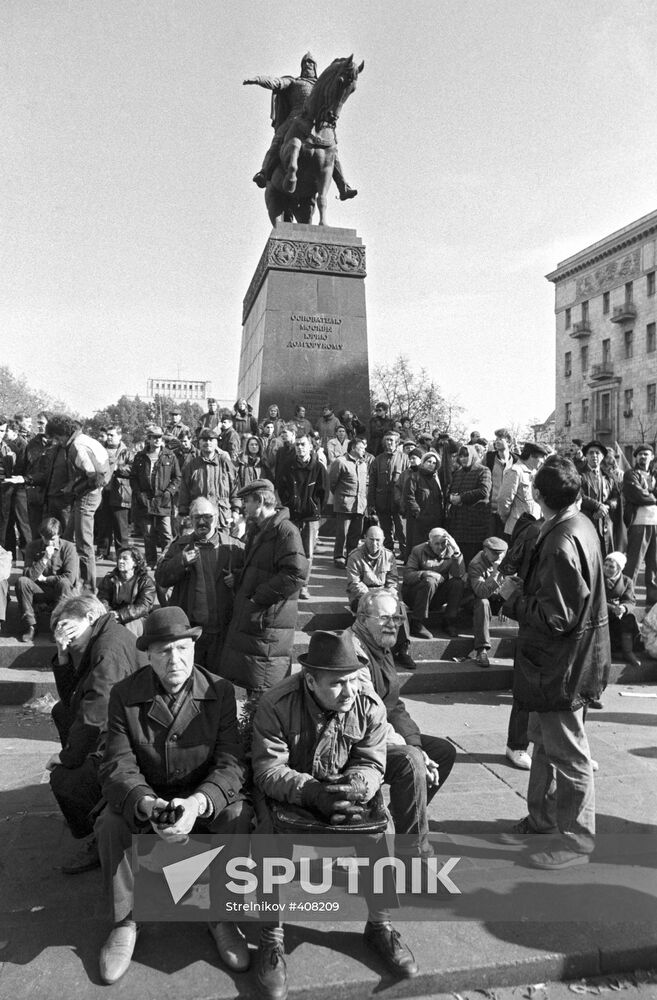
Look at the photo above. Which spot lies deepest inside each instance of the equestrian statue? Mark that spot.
(298, 167)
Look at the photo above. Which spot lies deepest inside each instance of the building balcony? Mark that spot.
(624, 314)
(601, 373)
(581, 329)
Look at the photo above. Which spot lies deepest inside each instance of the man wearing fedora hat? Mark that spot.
(600, 495)
(172, 743)
(319, 750)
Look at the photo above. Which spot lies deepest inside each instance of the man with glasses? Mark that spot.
(154, 477)
(417, 765)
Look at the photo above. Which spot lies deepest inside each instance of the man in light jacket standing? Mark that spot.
(348, 483)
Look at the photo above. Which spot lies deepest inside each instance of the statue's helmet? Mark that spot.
(309, 60)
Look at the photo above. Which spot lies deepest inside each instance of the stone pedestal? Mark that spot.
(304, 328)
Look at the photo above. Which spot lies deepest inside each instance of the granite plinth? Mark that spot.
(304, 335)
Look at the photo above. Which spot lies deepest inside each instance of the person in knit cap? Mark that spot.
(621, 602)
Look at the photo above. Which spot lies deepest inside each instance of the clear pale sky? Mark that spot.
(489, 139)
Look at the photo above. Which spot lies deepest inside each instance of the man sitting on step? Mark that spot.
(435, 575)
(416, 765)
(485, 579)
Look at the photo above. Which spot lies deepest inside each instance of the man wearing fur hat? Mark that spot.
(172, 747)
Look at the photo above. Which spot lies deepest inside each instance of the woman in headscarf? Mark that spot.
(423, 501)
(623, 627)
(469, 498)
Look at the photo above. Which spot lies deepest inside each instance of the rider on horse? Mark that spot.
(288, 98)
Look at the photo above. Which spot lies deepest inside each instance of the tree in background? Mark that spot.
(414, 394)
(134, 414)
(16, 396)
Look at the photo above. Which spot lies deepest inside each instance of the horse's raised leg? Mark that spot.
(292, 164)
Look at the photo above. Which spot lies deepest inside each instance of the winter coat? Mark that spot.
(231, 443)
(348, 482)
(383, 491)
(385, 682)
(365, 572)
(155, 485)
(639, 490)
(149, 752)
(214, 480)
(562, 651)
(302, 489)
(294, 740)
(595, 495)
(378, 427)
(142, 596)
(469, 521)
(258, 648)
(173, 571)
(326, 427)
(621, 591)
(515, 496)
(110, 655)
(423, 500)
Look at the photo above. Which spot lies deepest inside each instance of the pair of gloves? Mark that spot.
(339, 800)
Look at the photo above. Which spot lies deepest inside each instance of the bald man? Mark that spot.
(196, 566)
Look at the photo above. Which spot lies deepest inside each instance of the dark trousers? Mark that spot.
(78, 793)
(114, 836)
(81, 528)
(112, 527)
(13, 514)
(409, 792)
(349, 526)
(642, 547)
(61, 509)
(51, 593)
(428, 594)
(207, 650)
(155, 529)
(309, 531)
(517, 738)
(392, 525)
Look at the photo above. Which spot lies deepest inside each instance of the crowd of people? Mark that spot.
(218, 526)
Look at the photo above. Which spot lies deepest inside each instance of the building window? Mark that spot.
(651, 397)
(568, 364)
(629, 343)
(605, 407)
(585, 312)
(567, 414)
(585, 411)
(568, 319)
(605, 303)
(650, 283)
(584, 357)
(651, 345)
(606, 352)
(629, 288)
(629, 400)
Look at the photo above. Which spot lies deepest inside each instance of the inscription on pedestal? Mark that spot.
(315, 333)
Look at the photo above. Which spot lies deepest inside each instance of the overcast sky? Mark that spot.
(488, 139)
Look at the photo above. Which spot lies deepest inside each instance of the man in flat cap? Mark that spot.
(258, 648)
(485, 579)
(154, 477)
(211, 475)
(172, 744)
(640, 495)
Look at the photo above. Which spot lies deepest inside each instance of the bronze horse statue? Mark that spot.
(308, 151)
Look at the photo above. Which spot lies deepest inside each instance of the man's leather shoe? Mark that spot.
(419, 630)
(28, 634)
(387, 943)
(260, 179)
(231, 945)
(347, 193)
(271, 974)
(85, 858)
(404, 659)
(116, 953)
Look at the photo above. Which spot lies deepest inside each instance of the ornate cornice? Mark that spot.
(301, 255)
(612, 245)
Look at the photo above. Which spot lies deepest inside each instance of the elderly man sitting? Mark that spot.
(372, 566)
(172, 744)
(319, 751)
(435, 575)
(485, 580)
(416, 765)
